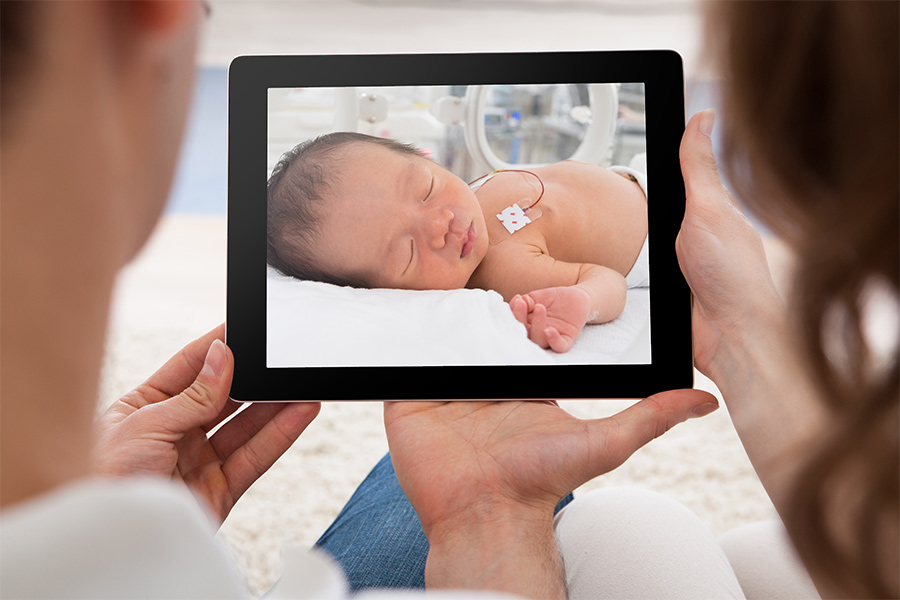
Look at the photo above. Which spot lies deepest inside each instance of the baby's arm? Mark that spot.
(555, 299)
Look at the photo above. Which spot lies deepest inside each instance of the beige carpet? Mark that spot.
(175, 291)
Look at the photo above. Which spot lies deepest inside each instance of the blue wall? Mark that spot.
(200, 178)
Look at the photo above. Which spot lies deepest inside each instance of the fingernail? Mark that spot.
(704, 409)
(215, 359)
(707, 120)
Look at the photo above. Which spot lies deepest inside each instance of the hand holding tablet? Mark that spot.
(291, 340)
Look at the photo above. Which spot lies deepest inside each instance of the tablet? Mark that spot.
(543, 117)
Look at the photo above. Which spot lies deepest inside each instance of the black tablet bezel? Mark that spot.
(250, 78)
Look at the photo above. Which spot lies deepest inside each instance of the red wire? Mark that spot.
(533, 204)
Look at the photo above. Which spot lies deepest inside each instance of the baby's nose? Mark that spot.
(438, 227)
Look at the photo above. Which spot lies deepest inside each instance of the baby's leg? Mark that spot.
(633, 543)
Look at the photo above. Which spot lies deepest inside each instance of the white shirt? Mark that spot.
(142, 538)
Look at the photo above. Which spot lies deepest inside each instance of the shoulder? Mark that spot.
(569, 176)
(568, 168)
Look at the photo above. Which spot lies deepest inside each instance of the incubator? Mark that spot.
(473, 130)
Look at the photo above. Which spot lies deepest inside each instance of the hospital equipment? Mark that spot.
(475, 129)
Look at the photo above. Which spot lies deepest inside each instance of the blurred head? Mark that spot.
(94, 100)
(810, 130)
(357, 210)
(107, 85)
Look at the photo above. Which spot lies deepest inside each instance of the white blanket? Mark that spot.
(624, 340)
(317, 324)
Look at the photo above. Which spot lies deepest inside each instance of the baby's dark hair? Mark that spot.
(295, 200)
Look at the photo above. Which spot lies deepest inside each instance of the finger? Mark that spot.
(178, 372)
(619, 436)
(703, 185)
(519, 309)
(201, 401)
(539, 325)
(241, 429)
(248, 462)
(557, 341)
(529, 302)
(229, 409)
(698, 161)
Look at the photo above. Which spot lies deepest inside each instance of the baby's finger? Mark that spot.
(519, 309)
(557, 341)
(539, 325)
(529, 302)
(517, 306)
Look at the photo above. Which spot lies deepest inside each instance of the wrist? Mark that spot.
(483, 516)
(606, 292)
(746, 342)
(754, 348)
(508, 549)
(763, 376)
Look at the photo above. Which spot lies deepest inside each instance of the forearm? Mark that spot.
(513, 554)
(607, 290)
(772, 402)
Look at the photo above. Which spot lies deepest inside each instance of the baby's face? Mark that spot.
(400, 221)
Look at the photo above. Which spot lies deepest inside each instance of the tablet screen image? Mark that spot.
(576, 152)
(399, 203)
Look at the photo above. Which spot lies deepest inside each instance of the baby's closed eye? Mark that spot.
(412, 253)
(430, 189)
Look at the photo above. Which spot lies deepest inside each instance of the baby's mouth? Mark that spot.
(468, 241)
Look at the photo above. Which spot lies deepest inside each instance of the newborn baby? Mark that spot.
(357, 210)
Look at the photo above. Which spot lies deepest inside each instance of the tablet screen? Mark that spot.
(405, 200)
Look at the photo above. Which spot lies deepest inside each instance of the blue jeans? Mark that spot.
(377, 537)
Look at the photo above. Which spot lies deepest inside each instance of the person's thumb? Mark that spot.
(201, 402)
(648, 419)
(698, 161)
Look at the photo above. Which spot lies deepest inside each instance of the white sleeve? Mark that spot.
(122, 538)
(313, 574)
(146, 538)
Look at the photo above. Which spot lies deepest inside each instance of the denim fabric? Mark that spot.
(377, 537)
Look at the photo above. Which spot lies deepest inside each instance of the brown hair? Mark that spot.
(296, 202)
(810, 134)
(16, 48)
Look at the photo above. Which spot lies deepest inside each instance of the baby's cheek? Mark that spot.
(452, 277)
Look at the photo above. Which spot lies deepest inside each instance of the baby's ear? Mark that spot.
(426, 153)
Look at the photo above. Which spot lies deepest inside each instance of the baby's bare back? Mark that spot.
(589, 215)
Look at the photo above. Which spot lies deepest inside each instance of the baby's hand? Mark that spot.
(553, 316)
